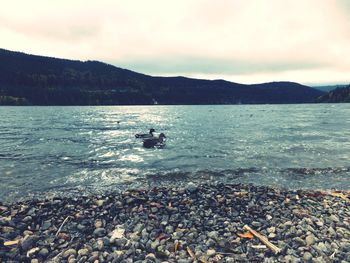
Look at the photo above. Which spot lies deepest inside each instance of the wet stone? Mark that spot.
(300, 241)
(256, 224)
(310, 240)
(211, 252)
(99, 232)
(44, 252)
(154, 245)
(191, 187)
(120, 242)
(319, 224)
(29, 242)
(46, 225)
(213, 235)
(290, 259)
(32, 252)
(331, 232)
(210, 242)
(7, 229)
(288, 223)
(99, 202)
(334, 218)
(321, 247)
(98, 223)
(169, 229)
(100, 244)
(83, 252)
(307, 256)
(27, 219)
(138, 228)
(271, 229)
(154, 209)
(151, 256)
(69, 252)
(272, 235)
(268, 217)
(81, 227)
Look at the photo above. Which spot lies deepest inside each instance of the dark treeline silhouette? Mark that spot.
(336, 96)
(37, 80)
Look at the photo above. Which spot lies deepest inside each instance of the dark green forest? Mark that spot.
(37, 80)
(336, 96)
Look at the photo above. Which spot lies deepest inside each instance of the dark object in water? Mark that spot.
(145, 135)
(155, 142)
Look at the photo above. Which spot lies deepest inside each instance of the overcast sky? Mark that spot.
(247, 41)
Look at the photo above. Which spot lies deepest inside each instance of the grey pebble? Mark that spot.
(99, 232)
(310, 240)
(69, 252)
(307, 256)
(28, 242)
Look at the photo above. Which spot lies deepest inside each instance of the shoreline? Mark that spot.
(198, 223)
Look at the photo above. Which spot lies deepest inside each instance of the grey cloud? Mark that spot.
(346, 5)
(66, 30)
(201, 65)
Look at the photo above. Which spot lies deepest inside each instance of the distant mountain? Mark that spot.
(37, 80)
(328, 88)
(336, 96)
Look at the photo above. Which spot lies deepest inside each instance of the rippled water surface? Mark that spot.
(84, 149)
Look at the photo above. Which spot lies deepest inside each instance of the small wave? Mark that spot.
(317, 171)
(107, 177)
(6, 156)
(293, 178)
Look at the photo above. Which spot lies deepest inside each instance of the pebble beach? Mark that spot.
(198, 223)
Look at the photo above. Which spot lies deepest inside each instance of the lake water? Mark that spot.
(49, 151)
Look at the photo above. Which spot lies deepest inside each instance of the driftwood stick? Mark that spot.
(263, 239)
(60, 228)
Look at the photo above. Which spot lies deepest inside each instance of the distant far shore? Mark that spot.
(37, 80)
(155, 105)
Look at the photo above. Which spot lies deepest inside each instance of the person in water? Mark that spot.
(154, 141)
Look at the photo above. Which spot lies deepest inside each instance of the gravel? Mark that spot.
(200, 223)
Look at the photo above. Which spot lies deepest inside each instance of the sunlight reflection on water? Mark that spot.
(94, 147)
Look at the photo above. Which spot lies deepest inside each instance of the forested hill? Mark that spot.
(37, 80)
(336, 96)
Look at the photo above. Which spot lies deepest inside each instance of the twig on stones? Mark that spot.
(190, 252)
(60, 228)
(11, 243)
(263, 239)
(333, 255)
(259, 247)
